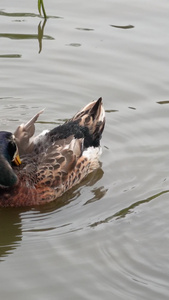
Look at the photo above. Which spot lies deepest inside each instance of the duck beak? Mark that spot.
(17, 160)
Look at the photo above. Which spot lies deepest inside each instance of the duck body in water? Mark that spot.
(38, 170)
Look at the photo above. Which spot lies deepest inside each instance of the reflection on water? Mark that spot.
(74, 44)
(128, 210)
(10, 232)
(123, 27)
(5, 14)
(32, 15)
(11, 220)
(99, 193)
(18, 36)
(163, 102)
(85, 29)
(11, 56)
(111, 110)
(40, 33)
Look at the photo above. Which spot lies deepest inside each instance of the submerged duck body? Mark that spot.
(52, 162)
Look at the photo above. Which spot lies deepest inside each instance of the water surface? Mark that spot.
(108, 237)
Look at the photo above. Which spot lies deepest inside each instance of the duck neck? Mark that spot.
(7, 176)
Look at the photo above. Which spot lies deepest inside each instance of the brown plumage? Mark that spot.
(52, 162)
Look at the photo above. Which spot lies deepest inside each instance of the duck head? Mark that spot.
(8, 154)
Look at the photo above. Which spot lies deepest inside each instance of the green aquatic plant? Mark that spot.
(41, 7)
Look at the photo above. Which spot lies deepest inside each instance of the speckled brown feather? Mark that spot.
(45, 182)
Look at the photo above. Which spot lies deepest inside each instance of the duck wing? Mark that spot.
(61, 167)
(24, 135)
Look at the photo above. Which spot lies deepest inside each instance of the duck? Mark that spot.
(36, 170)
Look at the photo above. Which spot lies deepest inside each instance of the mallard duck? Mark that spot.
(37, 170)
